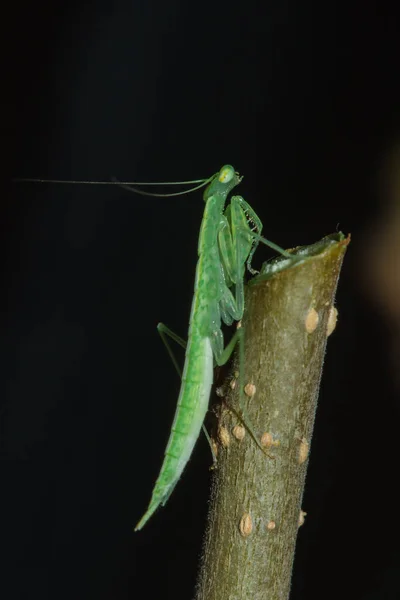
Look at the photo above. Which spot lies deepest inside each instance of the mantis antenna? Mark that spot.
(128, 184)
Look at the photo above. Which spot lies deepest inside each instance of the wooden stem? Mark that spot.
(255, 507)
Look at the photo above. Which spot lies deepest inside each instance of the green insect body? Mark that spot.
(226, 243)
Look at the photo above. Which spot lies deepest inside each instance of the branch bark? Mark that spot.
(255, 505)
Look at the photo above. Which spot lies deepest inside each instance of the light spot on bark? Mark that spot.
(332, 320)
(303, 450)
(223, 436)
(302, 517)
(246, 525)
(271, 525)
(250, 389)
(267, 440)
(311, 321)
(239, 432)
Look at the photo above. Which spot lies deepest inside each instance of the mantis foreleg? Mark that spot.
(236, 247)
(239, 205)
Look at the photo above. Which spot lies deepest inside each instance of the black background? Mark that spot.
(303, 100)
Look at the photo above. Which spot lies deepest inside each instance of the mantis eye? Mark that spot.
(226, 174)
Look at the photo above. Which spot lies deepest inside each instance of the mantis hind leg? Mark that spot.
(165, 333)
(222, 356)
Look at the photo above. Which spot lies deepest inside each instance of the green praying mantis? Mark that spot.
(229, 236)
(226, 245)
